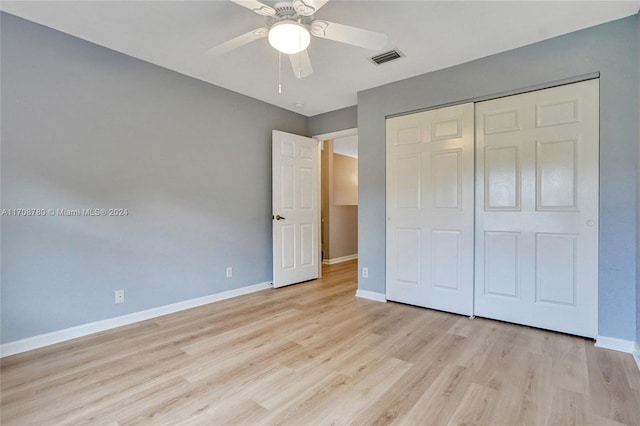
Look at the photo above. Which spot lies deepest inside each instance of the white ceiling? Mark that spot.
(432, 34)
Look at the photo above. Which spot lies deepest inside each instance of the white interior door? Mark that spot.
(537, 208)
(430, 209)
(296, 209)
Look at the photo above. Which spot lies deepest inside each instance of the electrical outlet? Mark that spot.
(365, 272)
(229, 272)
(119, 296)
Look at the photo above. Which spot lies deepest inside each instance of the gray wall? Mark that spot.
(86, 127)
(612, 50)
(340, 119)
(638, 210)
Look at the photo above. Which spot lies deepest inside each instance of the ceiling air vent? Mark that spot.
(391, 55)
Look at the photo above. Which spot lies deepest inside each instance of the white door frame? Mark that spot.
(337, 134)
(321, 138)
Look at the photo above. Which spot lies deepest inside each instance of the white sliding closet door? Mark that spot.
(430, 209)
(537, 208)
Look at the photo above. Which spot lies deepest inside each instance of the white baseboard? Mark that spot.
(371, 295)
(636, 356)
(35, 342)
(620, 345)
(340, 259)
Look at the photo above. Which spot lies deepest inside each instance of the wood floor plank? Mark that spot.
(326, 407)
(315, 354)
(525, 394)
(298, 385)
(631, 371)
(237, 413)
(609, 391)
(477, 407)
(568, 409)
(74, 387)
(407, 390)
(438, 403)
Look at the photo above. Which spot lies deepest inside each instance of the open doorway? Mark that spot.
(339, 171)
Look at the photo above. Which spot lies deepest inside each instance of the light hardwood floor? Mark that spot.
(315, 354)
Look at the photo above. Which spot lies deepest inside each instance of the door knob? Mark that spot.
(591, 222)
(278, 217)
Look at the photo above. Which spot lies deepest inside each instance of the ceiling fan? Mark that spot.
(289, 26)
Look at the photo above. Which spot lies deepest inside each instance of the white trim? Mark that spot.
(371, 295)
(340, 259)
(620, 345)
(319, 218)
(337, 134)
(35, 342)
(636, 355)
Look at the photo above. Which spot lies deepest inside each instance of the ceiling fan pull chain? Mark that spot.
(279, 73)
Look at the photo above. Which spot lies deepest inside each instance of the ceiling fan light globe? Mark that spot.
(289, 37)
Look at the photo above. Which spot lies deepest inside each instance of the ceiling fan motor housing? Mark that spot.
(285, 11)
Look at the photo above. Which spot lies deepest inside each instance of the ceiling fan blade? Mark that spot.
(238, 41)
(256, 6)
(301, 64)
(308, 7)
(348, 34)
